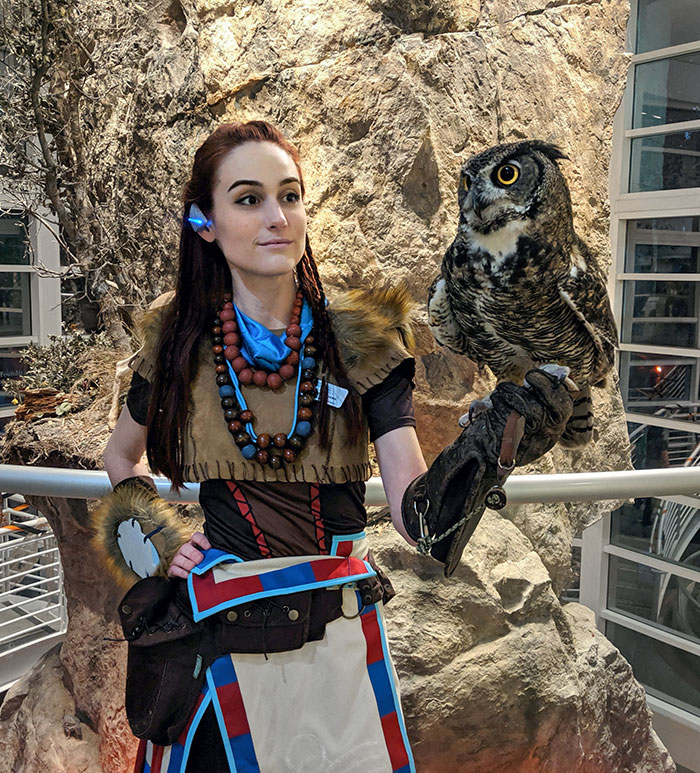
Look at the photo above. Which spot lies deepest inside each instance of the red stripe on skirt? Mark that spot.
(315, 502)
(140, 756)
(247, 512)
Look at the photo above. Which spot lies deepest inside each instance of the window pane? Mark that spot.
(15, 316)
(667, 672)
(661, 598)
(658, 527)
(666, 91)
(656, 384)
(659, 313)
(14, 247)
(664, 245)
(662, 23)
(665, 162)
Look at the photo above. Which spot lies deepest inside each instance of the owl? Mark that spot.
(517, 287)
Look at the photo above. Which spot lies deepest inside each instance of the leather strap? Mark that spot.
(512, 435)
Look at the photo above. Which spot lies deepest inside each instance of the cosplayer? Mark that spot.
(260, 645)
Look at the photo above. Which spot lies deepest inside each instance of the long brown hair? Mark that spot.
(203, 277)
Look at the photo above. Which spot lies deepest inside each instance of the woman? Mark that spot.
(272, 656)
(253, 246)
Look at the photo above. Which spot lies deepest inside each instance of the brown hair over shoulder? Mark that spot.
(202, 278)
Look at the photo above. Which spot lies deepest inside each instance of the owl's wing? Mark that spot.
(441, 319)
(585, 293)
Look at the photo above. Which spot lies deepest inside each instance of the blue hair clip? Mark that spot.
(197, 219)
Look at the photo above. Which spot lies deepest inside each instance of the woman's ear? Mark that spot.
(200, 223)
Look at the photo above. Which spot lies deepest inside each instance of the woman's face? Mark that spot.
(258, 217)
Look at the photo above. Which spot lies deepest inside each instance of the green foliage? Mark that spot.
(56, 365)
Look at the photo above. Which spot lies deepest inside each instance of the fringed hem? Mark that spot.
(141, 366)
(311, 473)
(371, 377)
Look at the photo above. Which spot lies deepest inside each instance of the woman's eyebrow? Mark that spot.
(259, 184)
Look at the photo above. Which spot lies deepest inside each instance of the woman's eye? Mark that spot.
(292, 196)
(248, 200)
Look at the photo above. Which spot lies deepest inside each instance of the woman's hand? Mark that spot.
(187, 557)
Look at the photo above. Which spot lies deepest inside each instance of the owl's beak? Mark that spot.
(479, 204)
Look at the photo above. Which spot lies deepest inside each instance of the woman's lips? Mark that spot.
(276, 243)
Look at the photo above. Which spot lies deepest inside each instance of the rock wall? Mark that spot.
(385, 100)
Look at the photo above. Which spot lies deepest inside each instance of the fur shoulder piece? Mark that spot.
(373, 331)
(148, 328)
(133, 508)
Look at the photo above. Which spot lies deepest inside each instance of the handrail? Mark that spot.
(520, 489)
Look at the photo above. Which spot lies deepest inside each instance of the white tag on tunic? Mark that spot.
(336, 394)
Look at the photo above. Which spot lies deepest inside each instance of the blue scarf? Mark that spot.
(261, 347)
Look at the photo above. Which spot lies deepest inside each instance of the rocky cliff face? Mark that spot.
(385, 100)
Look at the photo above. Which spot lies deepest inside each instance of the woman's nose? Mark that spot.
(275, 215)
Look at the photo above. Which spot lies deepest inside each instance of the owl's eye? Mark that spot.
(466, 182)
(507, 174)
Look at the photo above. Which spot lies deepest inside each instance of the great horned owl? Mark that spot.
(518, 288)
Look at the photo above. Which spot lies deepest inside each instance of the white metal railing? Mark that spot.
(566, 487)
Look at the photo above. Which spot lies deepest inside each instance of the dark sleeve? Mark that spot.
(137, 398)
(389, 405)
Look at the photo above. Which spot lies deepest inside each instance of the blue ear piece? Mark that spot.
(197, 219)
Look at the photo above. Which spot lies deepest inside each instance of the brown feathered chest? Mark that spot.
(374, 335)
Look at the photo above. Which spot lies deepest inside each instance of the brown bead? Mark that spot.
(309, 351)
(304, 414)
(274, 380)
(246, 415)
(227, 315)
(231, 327)
(260, 378)
(293, 343)
(232, 339)
(306, 387)
(275, 462)
(309, 340)
(262, 457)
(280, 440)
(274, 451)
(238, 364)
(221, 369)
(241, 439)
(245, 376)
(289, 456)
(287, 371)
(292, 358)
(235, 426)
(306, 400)
(294, 330)
(217, 331)
(217, 349)
(296, 442)
(264, 440)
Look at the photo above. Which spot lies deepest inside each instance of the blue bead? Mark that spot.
(249, 451)
(226, 391)
(303, 428)
(308, 362)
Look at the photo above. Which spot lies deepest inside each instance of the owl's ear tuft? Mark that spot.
(549, 149)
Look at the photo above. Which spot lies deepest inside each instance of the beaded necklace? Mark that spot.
(233, 370)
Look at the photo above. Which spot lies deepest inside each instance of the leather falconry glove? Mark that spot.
(516, 424)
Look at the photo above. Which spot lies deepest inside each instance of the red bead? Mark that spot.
(294, 330)
(292, 359)
(216, 331)
(262, 457)
(232, 339)
(235, 426)
(231, 327)
(246, 415)
(221, 369)
(227, 315)
(245, 376)
(264, 440)
(230, 353)
(288, 455)
(304, 414)
(238, 364)
(274, 380)
(260, 378)
(287, 372)
(294, 321)
(217, 349)
(280, 440)
(227, 305)
(293, 343)
(306, 387)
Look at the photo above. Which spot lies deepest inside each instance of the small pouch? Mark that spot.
(167, 659)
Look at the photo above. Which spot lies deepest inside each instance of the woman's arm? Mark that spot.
(400, 462)
(122, 460)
